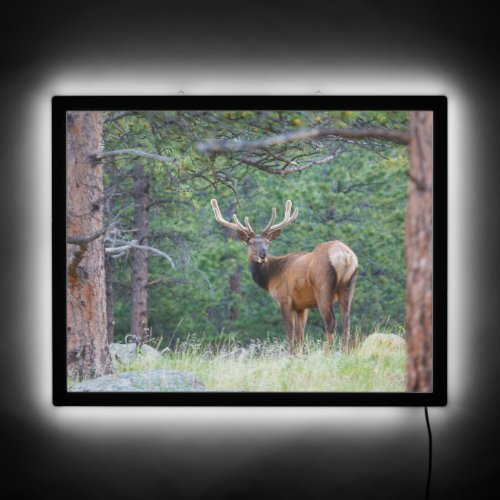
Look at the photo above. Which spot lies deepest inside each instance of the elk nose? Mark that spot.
(262, 253)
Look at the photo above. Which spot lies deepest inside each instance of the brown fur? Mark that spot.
(302, 281)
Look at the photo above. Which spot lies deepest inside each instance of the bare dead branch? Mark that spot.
(313, 163)
(128, 245)
(152, 284)
(118, 255)
(80, 240)
(83, 243)
(133, 152)
(221, 146)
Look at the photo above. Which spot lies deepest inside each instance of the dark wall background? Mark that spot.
(229, 48)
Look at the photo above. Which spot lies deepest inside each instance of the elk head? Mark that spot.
(257, 244)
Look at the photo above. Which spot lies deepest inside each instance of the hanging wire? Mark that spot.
(429, 470)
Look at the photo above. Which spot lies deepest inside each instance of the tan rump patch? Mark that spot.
(343, 260)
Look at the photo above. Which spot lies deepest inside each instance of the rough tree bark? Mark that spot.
(139, 311)
(234, 278)
(87, 347)
(109, 268)
(419, 254)
(235, 287)
(110, 297)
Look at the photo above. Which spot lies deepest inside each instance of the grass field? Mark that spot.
(267, 366)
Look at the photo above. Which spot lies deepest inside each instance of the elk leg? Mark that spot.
(300, 323)
(288, 315)
(345, 300)
(328, 316)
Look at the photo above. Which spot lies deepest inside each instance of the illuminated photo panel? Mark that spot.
(250, 250)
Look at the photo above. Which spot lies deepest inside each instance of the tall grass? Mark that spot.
(267, 366)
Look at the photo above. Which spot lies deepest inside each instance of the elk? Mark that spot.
(300, 281)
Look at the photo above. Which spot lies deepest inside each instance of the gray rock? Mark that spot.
(143, 381)
(123, 352)
(381, 344)
(150, 352)
(128, 353)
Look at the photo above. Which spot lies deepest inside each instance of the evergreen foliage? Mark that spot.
(358, 196)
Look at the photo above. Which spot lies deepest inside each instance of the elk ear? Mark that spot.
(244, 236)
(272, 236)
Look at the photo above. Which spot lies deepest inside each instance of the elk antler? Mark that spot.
(236, 225)
(288, 208)
(273, 216)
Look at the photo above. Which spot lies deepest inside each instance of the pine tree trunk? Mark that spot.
(235, 278)
(139, 311)
(87, 347)
(110, 297)
(419, 254)
(235, 287)
(109, 265)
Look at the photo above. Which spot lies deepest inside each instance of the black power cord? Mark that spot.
(430, 454)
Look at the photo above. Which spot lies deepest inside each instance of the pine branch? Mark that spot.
(221, 146)
(132, 152)
(117, 116)
(128, 245)
(293, 166)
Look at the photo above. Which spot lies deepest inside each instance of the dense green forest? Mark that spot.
(197, 282)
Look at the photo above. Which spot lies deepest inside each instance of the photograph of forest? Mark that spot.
(181, 274)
